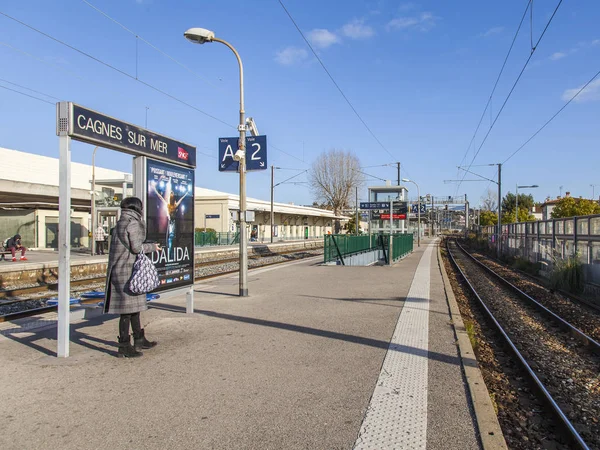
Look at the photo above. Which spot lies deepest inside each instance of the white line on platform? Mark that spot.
(397, 414)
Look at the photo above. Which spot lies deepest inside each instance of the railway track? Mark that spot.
(209, 269)
(558, 358)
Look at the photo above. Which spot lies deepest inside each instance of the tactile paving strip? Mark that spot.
(397, 414)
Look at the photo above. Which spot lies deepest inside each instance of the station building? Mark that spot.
(29, 205)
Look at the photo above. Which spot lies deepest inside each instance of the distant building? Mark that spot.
(549, 205)
(29, 205)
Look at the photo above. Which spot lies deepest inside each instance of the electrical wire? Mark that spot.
(29, 89)
(552, 118)
(515, 83)
(122, 72)
(127, 75)
(43, 61)
(333, 80)
(27, 95)
(137, 36)
(496, 83)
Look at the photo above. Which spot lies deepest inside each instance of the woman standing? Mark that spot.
(126, 243)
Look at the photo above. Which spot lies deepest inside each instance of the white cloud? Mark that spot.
(322, 38)
(492, 31)
(423, 22)
(558, 55)
(291, 55)
(589, 94)
(357, 30)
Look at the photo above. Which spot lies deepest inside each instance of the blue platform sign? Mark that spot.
(375, 205)
(256, 153)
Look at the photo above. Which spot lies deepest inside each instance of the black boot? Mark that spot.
(126, 350)
(141, 342)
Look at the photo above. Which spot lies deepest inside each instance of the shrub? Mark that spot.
(567, 275)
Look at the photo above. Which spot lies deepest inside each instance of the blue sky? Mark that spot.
(418, 73)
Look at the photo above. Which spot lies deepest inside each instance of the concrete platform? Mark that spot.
(296, 365)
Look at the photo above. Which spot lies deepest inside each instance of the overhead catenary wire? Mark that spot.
(162, 52)
(333, 81)
(27, 95)
(533, 49)
(552, 118)
(496, 83)
(132, 77)
(116, 69)
(29, 89)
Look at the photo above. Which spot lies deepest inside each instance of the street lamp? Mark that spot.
(93, 221)
(201, 36)
(593, 186)
(406, 180)
(517, 199)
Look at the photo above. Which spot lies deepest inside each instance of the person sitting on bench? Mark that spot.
(14, 244)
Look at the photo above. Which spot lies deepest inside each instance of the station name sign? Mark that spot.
(98, 129)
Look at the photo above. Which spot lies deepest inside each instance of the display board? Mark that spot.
(170, 222)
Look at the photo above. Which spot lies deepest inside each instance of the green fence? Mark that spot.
(338, 246)
(402, 245)
(202, 239)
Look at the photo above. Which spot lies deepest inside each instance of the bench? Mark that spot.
(3, 253)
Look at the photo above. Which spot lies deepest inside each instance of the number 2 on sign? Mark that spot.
(254, 157)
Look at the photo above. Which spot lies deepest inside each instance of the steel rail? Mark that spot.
(547, 396)
(580, 335)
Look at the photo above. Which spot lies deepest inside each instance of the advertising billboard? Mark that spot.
(170, 222)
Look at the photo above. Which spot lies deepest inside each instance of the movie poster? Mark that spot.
(170, 222)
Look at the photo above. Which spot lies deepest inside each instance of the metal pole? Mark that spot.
(356, 224)
(243, 291)
(398, 173)
(418, 216)
(517, 205)
(391, 241)
(93, 221)
(272, 194)
(64, 244)
(499, 233)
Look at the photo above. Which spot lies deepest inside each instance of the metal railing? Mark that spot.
(340, 246)
(402, 245)
(547, 240)
(204, 239)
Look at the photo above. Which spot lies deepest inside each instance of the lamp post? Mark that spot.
(201, 36)
(272, 194)
(517, 199)
(93, 221)
(406, 180)
(593, 190)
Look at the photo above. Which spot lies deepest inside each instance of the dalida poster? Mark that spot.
(170, 222)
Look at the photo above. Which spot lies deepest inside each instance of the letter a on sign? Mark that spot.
(228, 153)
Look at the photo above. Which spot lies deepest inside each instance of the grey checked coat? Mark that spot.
(130, 229)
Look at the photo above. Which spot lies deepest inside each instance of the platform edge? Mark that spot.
(490, 432)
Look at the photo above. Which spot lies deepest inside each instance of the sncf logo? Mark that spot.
(182, 153)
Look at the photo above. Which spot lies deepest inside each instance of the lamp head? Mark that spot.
(406, 180)
(199, 35)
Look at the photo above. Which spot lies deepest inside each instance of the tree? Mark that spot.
(488, 218)
(509, 202)
(490, 201)
(569, 207)
(524, 215)
(351, 226)
(333, 177)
